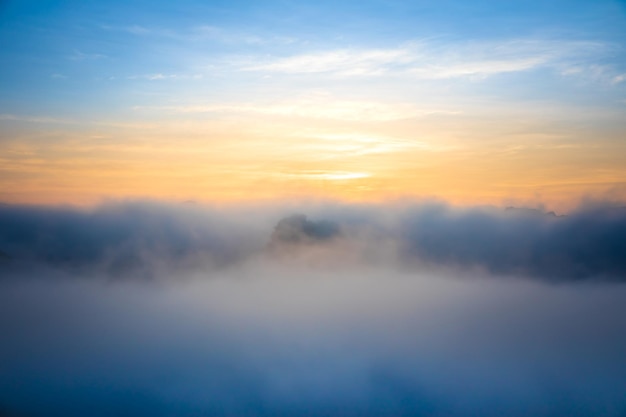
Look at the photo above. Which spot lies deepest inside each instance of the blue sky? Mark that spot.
(105, 55)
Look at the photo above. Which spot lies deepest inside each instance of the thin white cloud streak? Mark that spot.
(340, 62)
(480, 69)
(434, 61)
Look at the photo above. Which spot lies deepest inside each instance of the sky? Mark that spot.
(485, 102)
(312, 208)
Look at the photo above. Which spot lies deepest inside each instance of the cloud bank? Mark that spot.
(140, 308)
(588, 244)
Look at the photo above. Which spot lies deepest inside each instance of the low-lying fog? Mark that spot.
(137, 309)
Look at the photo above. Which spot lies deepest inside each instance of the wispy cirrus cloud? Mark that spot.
(339, 62)
(434, 60)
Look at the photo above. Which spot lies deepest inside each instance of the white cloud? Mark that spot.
(339, 62)
(432, 60)
(479, 69)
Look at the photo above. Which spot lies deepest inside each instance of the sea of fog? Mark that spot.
(150, 309)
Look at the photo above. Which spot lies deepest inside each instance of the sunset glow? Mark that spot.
(394, 103)
(313, 208)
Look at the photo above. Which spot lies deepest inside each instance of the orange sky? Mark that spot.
(463, 158)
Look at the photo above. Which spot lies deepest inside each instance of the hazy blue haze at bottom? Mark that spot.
(268, 340)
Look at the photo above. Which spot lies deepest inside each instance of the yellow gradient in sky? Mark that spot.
(484, 156)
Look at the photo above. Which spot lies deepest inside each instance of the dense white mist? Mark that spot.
(350, 311)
